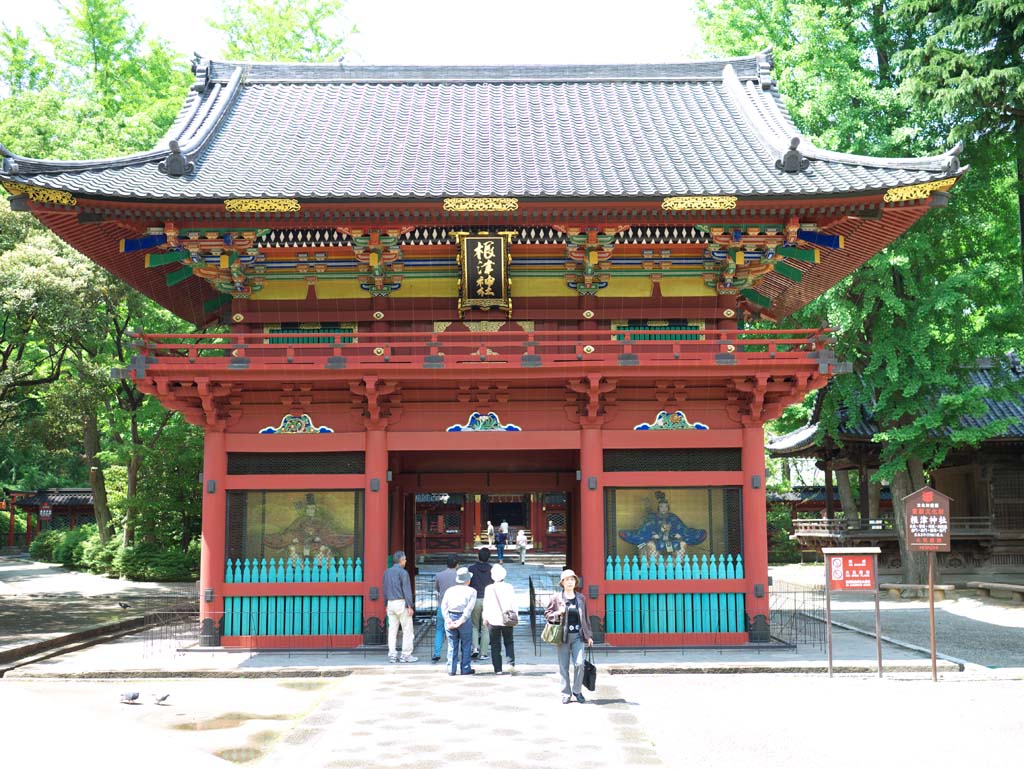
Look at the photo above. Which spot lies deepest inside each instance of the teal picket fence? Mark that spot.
(293, 615)
(675, 613)
(243, 570)
(679, 567)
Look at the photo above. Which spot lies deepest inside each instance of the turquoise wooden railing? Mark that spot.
(675, 613)
(681, 567)
(293, 615)
(293, 570)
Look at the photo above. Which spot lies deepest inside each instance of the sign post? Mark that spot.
(851, 569)
(926, 513)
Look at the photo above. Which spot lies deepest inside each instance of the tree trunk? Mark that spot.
(846, 495)
(905, 483)
(130, 512)
(874, 500)
(98, 483)
(1018, 141)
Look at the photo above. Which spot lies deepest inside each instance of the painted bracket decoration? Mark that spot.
(675, 421)
(483, 423)
(293, 425)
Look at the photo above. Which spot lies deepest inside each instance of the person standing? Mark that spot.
(457, 607)
(444, 580)
(490, 533)
(521, 544)
(481, 571)
(400, 608)
(499, 599)
(569, 609)
(501, 541)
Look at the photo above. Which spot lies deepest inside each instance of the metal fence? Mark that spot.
(797, 614)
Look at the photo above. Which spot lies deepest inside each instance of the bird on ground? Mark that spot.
(124, 605)
(161, 699)
(129, 697)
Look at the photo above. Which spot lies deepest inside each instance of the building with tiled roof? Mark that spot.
(985, 484)
(526, 283)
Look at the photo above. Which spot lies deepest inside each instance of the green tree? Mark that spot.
(969, 68)
(917, 316)
(284, 30)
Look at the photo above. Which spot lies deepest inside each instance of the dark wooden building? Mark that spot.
(985, 485)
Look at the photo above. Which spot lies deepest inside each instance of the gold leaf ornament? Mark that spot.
(261, 205)
(699, 203)
(41, 194)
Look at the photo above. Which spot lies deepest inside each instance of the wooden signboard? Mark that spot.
(927, 519)
(851, 572)
(484, 262)
(851, 568)
(927, 524)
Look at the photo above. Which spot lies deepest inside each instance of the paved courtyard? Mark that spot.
(420, 717)
(352, 709)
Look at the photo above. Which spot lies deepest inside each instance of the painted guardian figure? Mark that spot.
(663, 533)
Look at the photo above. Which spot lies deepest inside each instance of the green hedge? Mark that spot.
(80, 548)
(781, 549)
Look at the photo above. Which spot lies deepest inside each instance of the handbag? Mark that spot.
(511, 617)
(589, 670)
(552, 633)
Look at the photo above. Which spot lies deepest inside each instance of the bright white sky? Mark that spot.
(447, 31)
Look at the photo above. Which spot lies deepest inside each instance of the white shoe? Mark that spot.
(408, 658)
(392, 658)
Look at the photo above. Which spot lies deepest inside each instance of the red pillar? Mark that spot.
(28, 528)
(537, 519)
(10, 527)
(755, 533)
(470, 521)
(591, 529)
(213, 550)
(375, 557)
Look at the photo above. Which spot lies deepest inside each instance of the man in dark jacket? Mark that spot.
(481, 571)
(401, 606)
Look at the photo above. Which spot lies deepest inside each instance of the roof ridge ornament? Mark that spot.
(176, 163)
(793, 161)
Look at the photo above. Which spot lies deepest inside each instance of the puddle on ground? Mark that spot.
(226, 721)
(304, 686)
(239, 755)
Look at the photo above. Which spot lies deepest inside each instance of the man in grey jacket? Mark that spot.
(401, 606)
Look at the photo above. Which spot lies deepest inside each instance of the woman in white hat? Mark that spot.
(569, 609)
(499, 608)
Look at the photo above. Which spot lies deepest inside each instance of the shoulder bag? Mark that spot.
(510, 616)
(552, 633)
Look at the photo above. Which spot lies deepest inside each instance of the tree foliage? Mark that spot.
(284, 30)
(918, 316)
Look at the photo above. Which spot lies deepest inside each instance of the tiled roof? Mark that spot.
(335, 132)
(58, 498)
(802, 440)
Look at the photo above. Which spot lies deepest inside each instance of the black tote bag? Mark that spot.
(589, 670)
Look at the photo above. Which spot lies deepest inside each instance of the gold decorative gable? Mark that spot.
(917, 191)
(41, 194)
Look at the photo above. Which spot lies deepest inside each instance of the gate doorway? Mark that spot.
(441, 502)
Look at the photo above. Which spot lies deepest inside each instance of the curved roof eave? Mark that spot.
(766, 118)
(192, 129)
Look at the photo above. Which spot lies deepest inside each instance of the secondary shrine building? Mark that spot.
(436, 296)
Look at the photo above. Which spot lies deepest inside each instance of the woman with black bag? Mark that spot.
(501, 613)
(568, 609)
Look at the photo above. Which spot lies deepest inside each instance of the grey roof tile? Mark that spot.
(335, 132)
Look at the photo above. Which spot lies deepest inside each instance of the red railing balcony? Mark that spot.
(464, 350)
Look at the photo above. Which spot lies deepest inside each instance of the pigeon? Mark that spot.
(124, 605)
(161, 699)
(129, 697)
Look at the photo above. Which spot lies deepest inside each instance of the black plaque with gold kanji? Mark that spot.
(484, 276)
